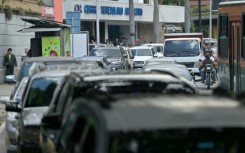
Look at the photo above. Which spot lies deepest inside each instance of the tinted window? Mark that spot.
(181, 48)
(142, 52)
(216, 140)
(223, 36)
(25, 70)
(109, 53)
(41, 92)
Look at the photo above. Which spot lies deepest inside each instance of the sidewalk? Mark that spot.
(5, 90)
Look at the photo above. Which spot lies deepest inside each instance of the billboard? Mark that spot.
(51, 46)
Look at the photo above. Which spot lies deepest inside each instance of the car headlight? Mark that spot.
(12, 121)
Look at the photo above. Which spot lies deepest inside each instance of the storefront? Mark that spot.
(114, 18)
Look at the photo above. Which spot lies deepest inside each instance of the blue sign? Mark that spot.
(73, 18)
(107, 10)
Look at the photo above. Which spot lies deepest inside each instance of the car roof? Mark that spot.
(161, 59)
(167, 65)
(49, 59)
(153, 44)
(147, 112)
(93, 58)
(140, 47)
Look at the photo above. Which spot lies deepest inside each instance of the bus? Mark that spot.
(231, 46)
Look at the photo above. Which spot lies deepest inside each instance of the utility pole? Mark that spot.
(156, 22)
(131, 22)
(187, 16)
(210, 20)
(200, 13)
(97, 25)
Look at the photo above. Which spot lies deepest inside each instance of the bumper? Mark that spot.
(138, 66)
(194, 71)
(10, 137)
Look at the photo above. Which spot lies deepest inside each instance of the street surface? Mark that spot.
(6, 89)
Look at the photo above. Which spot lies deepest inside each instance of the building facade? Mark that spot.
(114, 18)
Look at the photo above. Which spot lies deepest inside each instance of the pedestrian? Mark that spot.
(9, 62)
(137, 42)
(116, 43)
(26, 51)
(68, 53)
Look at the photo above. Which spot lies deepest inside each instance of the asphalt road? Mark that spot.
(6, 89)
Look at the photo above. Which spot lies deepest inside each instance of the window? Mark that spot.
(223, 36)
(243, 36)
(41, 92)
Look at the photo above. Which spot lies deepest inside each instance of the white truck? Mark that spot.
(184, 48)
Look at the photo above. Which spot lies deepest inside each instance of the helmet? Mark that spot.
(206, 49)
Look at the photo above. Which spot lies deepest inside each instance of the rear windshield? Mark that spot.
(181, 48)
(109, 53)
(141, 52)
(41, 92)
(216, 140)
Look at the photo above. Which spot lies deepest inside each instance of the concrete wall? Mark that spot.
(10, 38)
(145, 32)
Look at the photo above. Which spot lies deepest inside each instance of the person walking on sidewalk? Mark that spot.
(9, 62)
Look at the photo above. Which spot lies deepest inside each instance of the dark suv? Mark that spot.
(100, 85)
(117, 56)
(152, 123)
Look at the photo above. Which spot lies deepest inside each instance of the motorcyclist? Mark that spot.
(207, 59)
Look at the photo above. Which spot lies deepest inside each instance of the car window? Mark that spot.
(25, 70)
(41, 92)
(143, 52)
(109, 53)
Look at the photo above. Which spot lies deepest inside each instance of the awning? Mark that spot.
(25, 30)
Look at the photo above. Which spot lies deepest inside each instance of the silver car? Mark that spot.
(10, 123)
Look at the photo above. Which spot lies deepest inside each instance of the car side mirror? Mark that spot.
(13, 106)
(4, 100)
(51, 121)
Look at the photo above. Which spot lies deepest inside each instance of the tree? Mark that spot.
(131, 22)
(156, 29)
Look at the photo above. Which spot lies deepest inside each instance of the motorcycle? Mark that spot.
(208, 72)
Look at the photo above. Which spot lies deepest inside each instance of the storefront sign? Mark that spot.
(107, 10)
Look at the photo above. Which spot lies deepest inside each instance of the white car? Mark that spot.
(158, 48)
(141, 54)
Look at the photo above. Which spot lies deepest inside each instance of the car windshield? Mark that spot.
(27, 66)
(181, 48)
(141, 52)
(209, 140)
(41, 92)
(109, 53)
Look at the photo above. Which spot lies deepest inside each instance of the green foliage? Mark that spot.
(173, 2)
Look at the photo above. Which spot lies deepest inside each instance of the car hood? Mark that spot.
(32, 116)
(142, 58)
(114, 60)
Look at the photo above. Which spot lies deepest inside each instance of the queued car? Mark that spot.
(10, 119)
(158, 47)
(141, 55)
(115, 55)
(102, 61)
(152, 123)
(100, 85)
(176, 69)
(159, 61)
(30, 63)
(30, 108)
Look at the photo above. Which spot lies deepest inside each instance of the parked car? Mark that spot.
(141, 55)
(91, 46)
(30, 108)
(28, 63)
(102, 61)
(159, 61)
(99, 85)
(115, 55)
(176, 69)
(153, 123)
(158, 48)
(11, 121)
